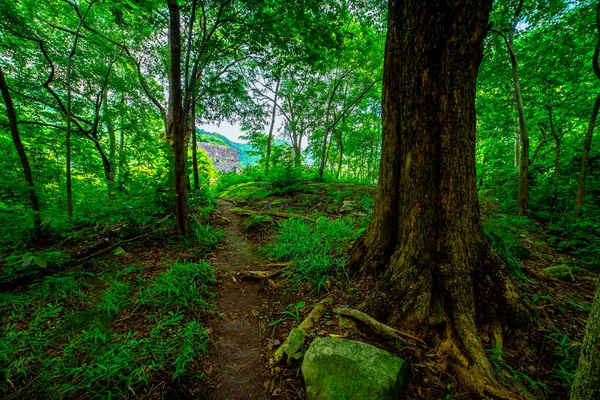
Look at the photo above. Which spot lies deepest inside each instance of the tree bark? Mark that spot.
(176, 120)
(16, 137)
(270, 137)
(440, 279)
(586, 385)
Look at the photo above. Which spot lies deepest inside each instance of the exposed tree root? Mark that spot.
(315, 314)
(377, 326)
(267, 274)
(295, 340)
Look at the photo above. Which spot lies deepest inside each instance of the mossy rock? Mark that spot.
(254, 221)
(119, 252)
(563, 272)
(345, 369)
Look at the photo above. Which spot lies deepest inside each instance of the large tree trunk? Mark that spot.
(270, 137)
(176, 121)
(14, 131)
(586, 385)
(440, 278)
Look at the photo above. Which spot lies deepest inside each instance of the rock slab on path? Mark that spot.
(345, 369)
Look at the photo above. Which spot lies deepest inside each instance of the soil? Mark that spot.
(236, 368)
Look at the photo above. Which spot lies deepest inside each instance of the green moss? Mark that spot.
(254, 221)
(245, 191)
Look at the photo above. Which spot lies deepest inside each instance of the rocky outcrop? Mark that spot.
(224, 158)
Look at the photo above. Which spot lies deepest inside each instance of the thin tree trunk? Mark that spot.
(270, 137)
(121, 172)
(68, 135)
(523, 196)
(194, 146)
(14, 131)
(557, 149)
(69, 112)
(341, 147)
(176, 120)
(112, 138)
(438, 272)
(586, 385)
(585, 162)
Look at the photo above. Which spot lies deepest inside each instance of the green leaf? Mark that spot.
(40, 262)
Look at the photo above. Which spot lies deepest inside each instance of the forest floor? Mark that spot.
(171, 318)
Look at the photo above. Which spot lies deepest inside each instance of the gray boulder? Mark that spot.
(345, 369)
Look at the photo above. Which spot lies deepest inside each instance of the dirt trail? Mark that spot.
(236, 367)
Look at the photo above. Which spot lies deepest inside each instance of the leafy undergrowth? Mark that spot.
(538, 362)
(122, 326)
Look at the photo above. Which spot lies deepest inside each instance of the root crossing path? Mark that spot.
(236, 367)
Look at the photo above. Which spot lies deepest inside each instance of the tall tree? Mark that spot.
(176, 121)
(272, 125)
(439, 274)
(522, 141)
(587, 145)
(69, 111)
(14, 131)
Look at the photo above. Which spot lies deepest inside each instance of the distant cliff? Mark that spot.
(224, 158)
(245, 152)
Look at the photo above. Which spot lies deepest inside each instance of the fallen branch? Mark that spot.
(114, 246)
(265, 274)
(377, 326)
(295, 341)
(274, 214)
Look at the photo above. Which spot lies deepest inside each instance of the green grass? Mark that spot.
(182, 286)
(69, 337)
(565, 352)
(316, 248)
(503, 234)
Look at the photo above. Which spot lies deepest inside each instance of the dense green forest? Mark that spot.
(417, 215)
